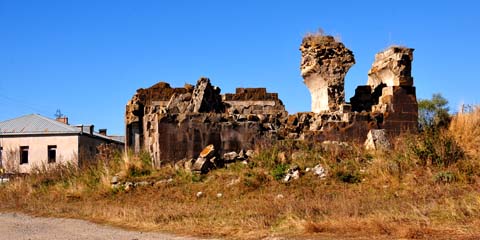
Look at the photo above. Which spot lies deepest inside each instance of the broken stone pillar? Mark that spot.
(205, 98)
(392, 67)
(391, 81)
(324, 64)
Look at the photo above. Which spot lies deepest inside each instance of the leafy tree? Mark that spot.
(433, 113)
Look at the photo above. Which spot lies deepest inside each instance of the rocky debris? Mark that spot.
(335, 145)
(142, 184)
(203, 165)
(162, 182)
(129, 185)
(377, 140)
(185, 164)
(242, 154)
(208, 151)
(208, 159)
(293, 173)
(324, 64)
(319, 171)
(199, 194)
(234, 182)
(230, 156)
(282, 157)
(114, 180)
(219, 195)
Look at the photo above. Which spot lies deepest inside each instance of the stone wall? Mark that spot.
(173, 124)
(253, 101)
(198, 116)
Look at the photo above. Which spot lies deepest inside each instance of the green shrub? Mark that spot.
(445, 177)
(145, 159)
(347, 176)
(135, 171)
(436, 147)
(254, 179)
(279, 171)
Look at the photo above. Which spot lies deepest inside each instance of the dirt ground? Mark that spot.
(23, 227)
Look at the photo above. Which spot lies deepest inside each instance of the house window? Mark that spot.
(24, 155)
(52, 153)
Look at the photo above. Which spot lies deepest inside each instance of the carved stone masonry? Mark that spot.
(324, 64)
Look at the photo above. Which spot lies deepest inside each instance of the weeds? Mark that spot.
(279, 171)
(445, 177)
(436, 147)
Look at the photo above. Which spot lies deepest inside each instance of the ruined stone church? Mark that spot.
(176, 123)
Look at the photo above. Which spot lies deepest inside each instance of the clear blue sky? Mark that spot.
(87, 58)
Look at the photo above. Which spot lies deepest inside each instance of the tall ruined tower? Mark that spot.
(325, 62)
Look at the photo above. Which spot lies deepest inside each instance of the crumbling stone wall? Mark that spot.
(195, 117)
(142, 105)
(253, 101)
(173, 124)
(390, 91)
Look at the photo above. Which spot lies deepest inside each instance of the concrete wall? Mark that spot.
(66, 151)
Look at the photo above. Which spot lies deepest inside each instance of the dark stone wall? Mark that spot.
(184, 136)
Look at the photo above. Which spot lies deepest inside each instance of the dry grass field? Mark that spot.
(427, 187)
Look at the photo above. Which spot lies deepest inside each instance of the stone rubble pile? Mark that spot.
(116, 183)
(209, 159)
(295, 172)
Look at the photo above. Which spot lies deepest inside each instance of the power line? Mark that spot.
(19, 103)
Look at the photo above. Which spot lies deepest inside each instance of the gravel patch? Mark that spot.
(23, 227)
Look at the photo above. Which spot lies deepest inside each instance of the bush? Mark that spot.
(139, 165)
(348, 176)
(135, 171)
(254, 179)
(445, 177)
(436, 147)
(279, 171)
(347, 170)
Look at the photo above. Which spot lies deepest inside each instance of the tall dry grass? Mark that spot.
(465, 127)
